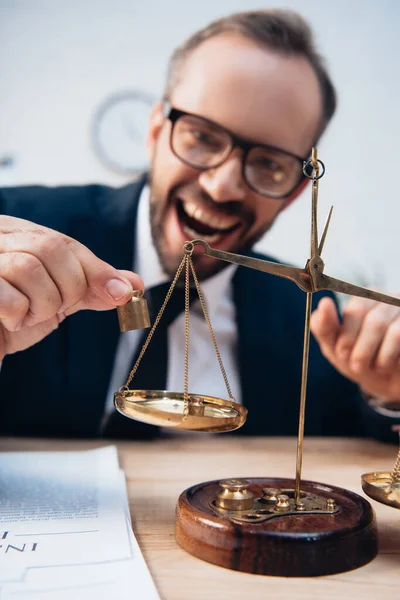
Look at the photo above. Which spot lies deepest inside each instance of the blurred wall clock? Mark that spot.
(119, 131)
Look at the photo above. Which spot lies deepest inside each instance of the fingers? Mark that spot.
(45, 276)
(352, 319)
(51, 250)
(376, 339)
(106, 286)
(388, 356)
(28, 277)
(368, 332)
(57, 273)
(365, 346)
(325, 327)
(13, 306)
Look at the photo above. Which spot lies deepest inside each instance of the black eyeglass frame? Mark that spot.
(174, 114)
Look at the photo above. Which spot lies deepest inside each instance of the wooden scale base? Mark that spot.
(295, 544)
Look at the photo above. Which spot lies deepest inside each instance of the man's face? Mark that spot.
(256, 94)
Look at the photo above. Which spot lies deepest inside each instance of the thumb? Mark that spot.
(106, 286)
(325, 324)
(107, 289)
(121, 286)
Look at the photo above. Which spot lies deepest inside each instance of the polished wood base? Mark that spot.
(300, 545)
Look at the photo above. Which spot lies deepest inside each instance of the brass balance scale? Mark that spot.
(269, 526)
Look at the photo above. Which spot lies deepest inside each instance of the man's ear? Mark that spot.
(303, 183)
(156, 121)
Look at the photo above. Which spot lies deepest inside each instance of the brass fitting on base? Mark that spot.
(234, 495)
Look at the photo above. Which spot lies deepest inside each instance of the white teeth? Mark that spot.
(220, 222)
(190, 208)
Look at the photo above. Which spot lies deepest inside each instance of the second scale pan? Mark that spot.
(380, 486)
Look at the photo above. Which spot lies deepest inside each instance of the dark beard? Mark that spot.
(169, 267)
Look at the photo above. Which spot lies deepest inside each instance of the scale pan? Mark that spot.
(166, 409)
(379, 487)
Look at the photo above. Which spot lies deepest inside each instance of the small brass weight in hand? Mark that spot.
(134, 314)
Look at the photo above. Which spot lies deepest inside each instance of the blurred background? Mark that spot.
(77, 80)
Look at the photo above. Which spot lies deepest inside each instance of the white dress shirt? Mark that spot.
(205, 376)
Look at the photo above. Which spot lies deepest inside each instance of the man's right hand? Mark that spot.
(46, 276)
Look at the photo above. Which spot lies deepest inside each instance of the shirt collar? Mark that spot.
(147, 263)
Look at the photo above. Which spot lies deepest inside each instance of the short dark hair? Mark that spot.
(282, 31)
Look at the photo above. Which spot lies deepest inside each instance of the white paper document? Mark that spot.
(65, 529)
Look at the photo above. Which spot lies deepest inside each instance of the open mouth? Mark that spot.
(200, 222)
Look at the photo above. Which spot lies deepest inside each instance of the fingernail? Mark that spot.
(117, 288)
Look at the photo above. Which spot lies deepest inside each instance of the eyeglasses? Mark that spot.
(203, 144)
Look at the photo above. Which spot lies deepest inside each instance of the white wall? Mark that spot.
(59, 60)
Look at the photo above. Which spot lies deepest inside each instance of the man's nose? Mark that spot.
(225, 183)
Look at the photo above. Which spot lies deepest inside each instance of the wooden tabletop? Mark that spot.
(157, 472)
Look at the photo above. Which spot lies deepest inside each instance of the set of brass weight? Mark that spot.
(236, 502)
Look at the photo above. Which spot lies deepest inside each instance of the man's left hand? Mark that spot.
(365, 346)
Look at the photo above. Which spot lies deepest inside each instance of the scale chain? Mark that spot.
(186, 369)
(207, 318)
(395, 475)
(156, 322)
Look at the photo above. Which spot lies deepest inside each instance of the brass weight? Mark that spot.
(235, 495)
(134, 314)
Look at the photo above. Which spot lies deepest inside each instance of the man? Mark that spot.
(246, 99)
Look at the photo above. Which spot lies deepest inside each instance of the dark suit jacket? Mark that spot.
(58, 387)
